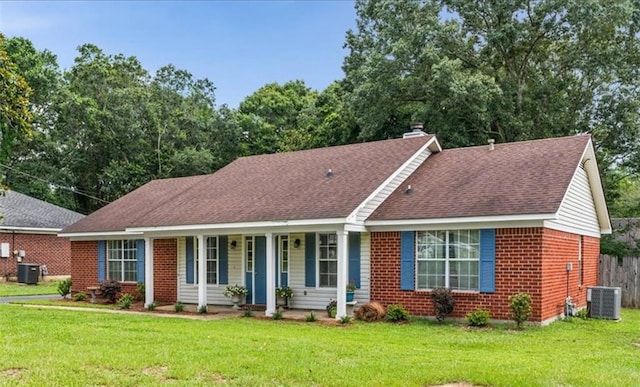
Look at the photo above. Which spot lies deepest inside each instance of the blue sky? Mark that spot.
(239, 45)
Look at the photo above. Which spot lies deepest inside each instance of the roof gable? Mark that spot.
(275, 187)
(528, 177)
(22, 211)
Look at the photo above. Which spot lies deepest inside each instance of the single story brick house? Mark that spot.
(397, 217)
(29, 229)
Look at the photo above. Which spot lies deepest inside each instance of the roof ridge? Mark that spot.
(521, 142)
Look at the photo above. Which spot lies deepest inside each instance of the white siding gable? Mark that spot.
(577, 213)
(391, 184)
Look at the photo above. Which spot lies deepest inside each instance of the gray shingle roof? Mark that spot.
(274, 187)
(20, 210)
(529, 177)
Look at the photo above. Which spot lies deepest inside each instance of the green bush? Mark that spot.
(202, 309)
(311, 317)
(152, 306)
(125, 301)
(277, 315)
(345, 319)
(520, 305)
(80, 296)
(332, 308)
(397, 313)
(478, 318)
(110, 290)
(64, 287)
(140, 291)
(248, 312)
(443, 302)
(178, 307)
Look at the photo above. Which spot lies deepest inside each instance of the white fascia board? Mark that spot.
(353, 227)
(316, 225)
(432, 145)
(92, 236)
(573, 230)
(30, 230)
(501, 221)
(595, 183)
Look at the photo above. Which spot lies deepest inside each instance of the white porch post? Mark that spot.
(343, 267)
(148, 272)
(202, 273)
(271, 276)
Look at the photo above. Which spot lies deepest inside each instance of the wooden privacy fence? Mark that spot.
(623, 273)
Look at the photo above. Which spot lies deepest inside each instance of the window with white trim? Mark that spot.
(328, 260)
(122, 260)
(284, 253)
(211, 259)
(448, 259)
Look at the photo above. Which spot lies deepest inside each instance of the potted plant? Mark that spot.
(235, 292)
(331, 308)
(351, 288)
(283, 294)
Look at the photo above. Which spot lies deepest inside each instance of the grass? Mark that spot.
(16, 289)
(82, 348)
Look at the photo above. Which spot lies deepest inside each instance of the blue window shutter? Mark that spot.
(310, 259)
(223, 259)
(102, 260)
(407, 260)
(354, 258)
(189, 254)
(140, 260)
(488, 260)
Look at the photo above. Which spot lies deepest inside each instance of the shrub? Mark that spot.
(248, 312)
(152, 306)
(345, 319)
(140, 291)
(443, 302)
(311, 317)
(125, 301)
(110, 290)
(178, 307)
(277, 315)
(582, 313)
(520, 305)
(397, 313)
(331, 308)
(80, 296)
(202, 309)
(478, 318)
(64, 287)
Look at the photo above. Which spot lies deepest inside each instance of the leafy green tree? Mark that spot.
(517, 70)
(15, 116)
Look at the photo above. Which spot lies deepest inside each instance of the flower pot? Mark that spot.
(236, 298)
(350, 296)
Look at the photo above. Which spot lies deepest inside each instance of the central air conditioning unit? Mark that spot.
(604, 302)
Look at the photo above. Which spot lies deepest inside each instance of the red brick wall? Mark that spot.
(84, 268)
(39, 249)
(531, 260)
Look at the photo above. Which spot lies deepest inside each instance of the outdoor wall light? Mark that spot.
(234, 243)
(296, 243)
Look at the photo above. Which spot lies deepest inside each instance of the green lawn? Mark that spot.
(60, 347)
(16, 289)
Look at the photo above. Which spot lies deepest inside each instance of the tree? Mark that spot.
(15, 116)
(480, 69)
(277, 118)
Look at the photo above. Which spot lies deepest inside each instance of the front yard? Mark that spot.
(16, 289)
(60, 347)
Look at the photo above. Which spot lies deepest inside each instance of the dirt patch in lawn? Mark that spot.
(11, 373)
(455, 384)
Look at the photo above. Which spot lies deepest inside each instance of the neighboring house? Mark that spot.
(398, 217)
(30, 226)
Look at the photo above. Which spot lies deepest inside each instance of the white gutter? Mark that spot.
(243, 225)
(31, 229)
(98, 234)
(474, 219)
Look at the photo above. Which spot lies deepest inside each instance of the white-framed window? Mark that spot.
(328, 260)
(249, 245)
(211, 244)
(211, 258)
(448, 259)
(283, 249)
(122, 260)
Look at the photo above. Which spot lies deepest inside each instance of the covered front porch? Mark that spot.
(316, 262)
